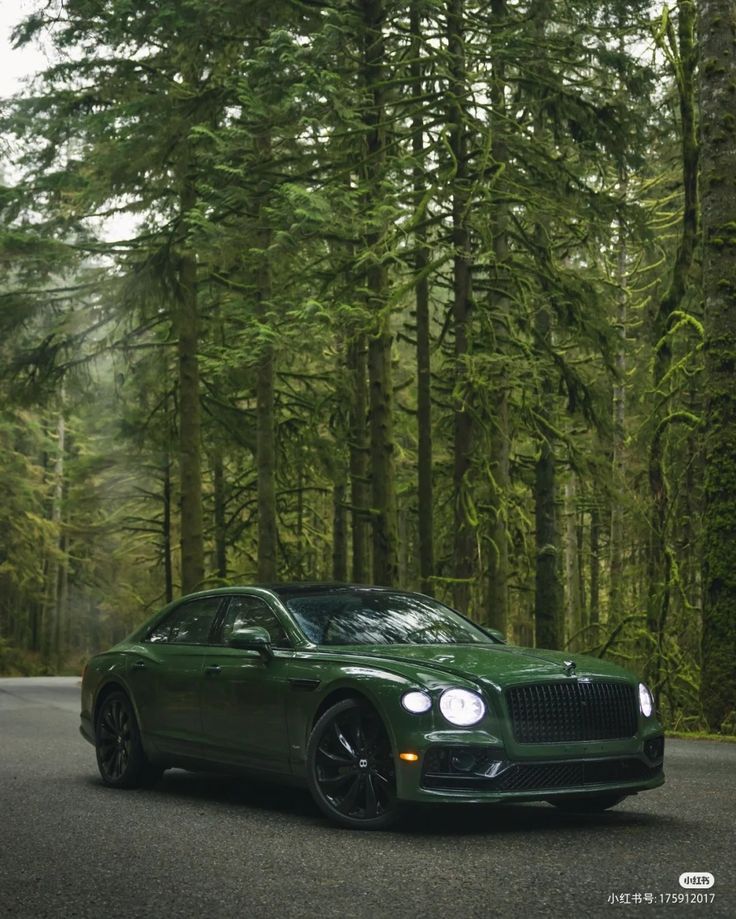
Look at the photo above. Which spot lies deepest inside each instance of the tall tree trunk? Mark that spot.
(660, 553)
(265, 390)
(358, 440)
(52, 623)
(498, 574)
(572, 564)
(65, 622)
(300, 553)
(383, 480)
(463, 549)
(548, 605)
(421, 261)
(717, 31)
(339, 533)
(618, 462)
(218, 477)
(618, 439)
(595, 563)
(548, 596)
(383, 483)
(187, 325)
(167, 496)
(265, 466)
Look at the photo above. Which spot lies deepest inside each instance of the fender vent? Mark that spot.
(303, 685)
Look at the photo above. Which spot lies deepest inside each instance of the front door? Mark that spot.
(244, 695)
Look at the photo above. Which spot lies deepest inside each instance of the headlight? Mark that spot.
(646, 702)
(416, 702)
(461, 707)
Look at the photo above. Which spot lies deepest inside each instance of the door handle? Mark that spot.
(139, 665)
(213, 669)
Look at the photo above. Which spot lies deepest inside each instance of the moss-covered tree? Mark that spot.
(717, 93)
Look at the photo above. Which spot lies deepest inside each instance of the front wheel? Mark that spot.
(591, 804)
(350, 767)
(120, 756)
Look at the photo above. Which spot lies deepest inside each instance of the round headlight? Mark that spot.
(461, 706)
(416, 702)
(646, 702)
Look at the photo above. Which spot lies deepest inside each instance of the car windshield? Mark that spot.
(348, 616)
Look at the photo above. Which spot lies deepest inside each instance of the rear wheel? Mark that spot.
(350, 767)
(120, 756)
(591, 804)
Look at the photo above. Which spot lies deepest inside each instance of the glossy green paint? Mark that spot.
(214, 706)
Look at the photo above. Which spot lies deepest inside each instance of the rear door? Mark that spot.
(244, 695)
(165, 673)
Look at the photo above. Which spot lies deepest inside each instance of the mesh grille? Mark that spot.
(562, 712)
(525, 776)
(439, 772)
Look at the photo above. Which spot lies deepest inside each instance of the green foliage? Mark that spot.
(309, 200)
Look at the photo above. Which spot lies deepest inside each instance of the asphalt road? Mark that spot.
(203, 846)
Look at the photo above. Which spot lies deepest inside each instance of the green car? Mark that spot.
(373, 698)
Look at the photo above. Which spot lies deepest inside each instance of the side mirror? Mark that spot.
(254, 638)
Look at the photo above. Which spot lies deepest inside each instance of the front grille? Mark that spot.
(570, 711)
(488, 773)
(527, 776)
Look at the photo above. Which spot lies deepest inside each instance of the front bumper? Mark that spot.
(490, 772)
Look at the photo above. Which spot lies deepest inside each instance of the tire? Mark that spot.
(120, 756)
(592, 804)
(350, 767)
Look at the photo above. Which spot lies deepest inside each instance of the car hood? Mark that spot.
(498, 664)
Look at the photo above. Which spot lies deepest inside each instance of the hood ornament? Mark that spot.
(569, 668)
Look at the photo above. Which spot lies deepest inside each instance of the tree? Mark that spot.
(682, 53)
(717, 35)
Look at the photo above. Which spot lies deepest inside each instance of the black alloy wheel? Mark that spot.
(350, 767)
(589, 804)
(120, 756)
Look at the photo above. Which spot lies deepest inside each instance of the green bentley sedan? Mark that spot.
(373, 698)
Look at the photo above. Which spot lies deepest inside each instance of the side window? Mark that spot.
(244, 612)
(188, 624)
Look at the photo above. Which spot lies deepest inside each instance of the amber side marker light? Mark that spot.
(409, 757)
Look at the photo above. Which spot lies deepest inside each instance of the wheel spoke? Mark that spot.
(342, 739)
(381, 778)
(348, 802)
(336, 779)
(371, 801)
(359, 735)
(335, 757)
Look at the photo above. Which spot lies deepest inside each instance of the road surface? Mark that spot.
(212, 847)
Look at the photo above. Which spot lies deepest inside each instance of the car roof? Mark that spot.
(307, 587)
(283, 590)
